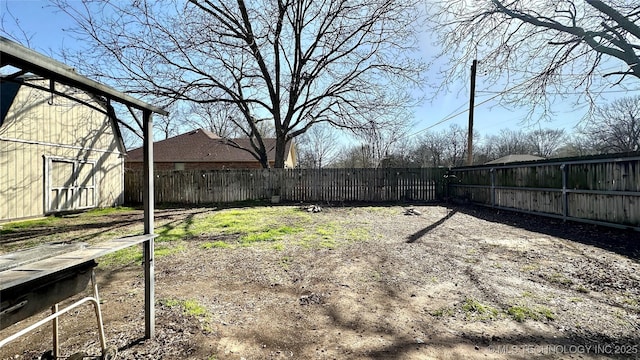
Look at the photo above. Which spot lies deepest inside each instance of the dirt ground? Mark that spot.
(451, 283)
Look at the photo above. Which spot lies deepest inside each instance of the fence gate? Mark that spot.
(69, 185)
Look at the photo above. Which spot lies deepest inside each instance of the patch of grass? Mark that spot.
(630, 301)
(530, 267)
(575, 299)
(269, 234)
(189, 307)
(327, 231)
(527, 294)
(160, 251)
(328, 244)
(267, 224)
(11, 227)
(442, 312)
(358, 234)
(558, 278)
(285, 262)
(107, 211)
(521, 313)
(476, 310)
(582, 289)
(546, 312)
(132, 254)
(216, 244)
(278, 246)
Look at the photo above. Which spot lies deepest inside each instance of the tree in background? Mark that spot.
(294, 63)
(318, 147)
(546, 142)
(536, 50)
(220, 119)
(445, 148)
(615, 127)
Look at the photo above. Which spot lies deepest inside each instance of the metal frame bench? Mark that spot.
(41, 277)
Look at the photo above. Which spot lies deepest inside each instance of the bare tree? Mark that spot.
(380, 139)
(538, 50)
(220, 119)
(294, 63)
(509, 142)
(447, 147)
(615, 127)
(7, 21)
(545, 142)
(430, 150)
(318, 147)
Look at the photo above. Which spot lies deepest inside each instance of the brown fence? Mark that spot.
(596, 190)
(291, 185)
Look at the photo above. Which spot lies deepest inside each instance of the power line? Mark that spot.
(449, 117)
(561, 93)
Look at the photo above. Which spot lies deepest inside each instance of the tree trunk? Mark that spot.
(281, 146)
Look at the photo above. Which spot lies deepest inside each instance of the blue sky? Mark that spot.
(45, 27)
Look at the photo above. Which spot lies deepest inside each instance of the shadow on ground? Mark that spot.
(620, 241)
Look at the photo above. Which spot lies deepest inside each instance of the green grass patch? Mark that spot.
(530, 267)
(122, 257)
(473, 309)
(558, 278)
(442, 312)
(286, 261)
(161, 250)
(269, 234)
(358, 234)
(527, 294)
(521, 313)
(11, 227)
(107, 211)
(133, 254)
(189, 307)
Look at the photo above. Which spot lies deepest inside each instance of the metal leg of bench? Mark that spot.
(94, 283)
(46, 320)
(56, 338)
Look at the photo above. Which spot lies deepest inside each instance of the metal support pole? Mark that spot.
(149, 291)
(94, 284)
(56, 336)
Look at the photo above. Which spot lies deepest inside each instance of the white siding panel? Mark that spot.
(34, 130)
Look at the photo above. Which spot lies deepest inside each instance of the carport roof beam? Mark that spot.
(14, 54)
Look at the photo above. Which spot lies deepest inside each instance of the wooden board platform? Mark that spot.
(24, 266)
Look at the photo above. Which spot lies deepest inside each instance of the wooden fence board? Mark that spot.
(603, 190)
(293, 185)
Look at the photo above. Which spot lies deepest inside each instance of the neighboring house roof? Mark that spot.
(514, 158)
(204, 146)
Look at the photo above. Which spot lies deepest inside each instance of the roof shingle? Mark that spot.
(203, 146)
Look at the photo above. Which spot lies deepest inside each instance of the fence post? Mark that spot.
(565, 201)
(492, 174)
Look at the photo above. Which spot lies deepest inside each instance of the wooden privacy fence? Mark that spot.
(602, 191)
(291, 185)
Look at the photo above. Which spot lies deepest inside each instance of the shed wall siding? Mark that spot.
(34, 130)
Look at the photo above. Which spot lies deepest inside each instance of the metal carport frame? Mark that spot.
(29, 61)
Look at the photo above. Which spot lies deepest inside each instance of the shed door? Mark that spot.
(70, 185)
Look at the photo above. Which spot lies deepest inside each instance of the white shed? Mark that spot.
(57, 153)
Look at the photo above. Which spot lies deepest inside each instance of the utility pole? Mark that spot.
(472, 97)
